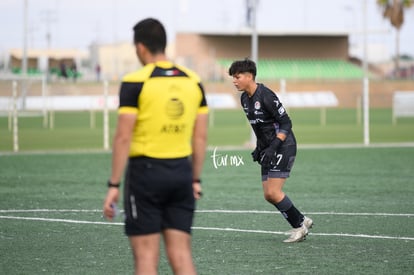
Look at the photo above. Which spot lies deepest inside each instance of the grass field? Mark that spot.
(360, 199)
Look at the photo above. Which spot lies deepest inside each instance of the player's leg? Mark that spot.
(272, 190)
(273, 193)
(273, 180)
(178, 247)
(145, 250)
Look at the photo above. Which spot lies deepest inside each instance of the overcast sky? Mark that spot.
(77, 23)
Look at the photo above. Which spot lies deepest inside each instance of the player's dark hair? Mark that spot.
(151, 33)
(243, 66)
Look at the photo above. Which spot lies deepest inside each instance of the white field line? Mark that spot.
(214, 228)
(211, 211)
(207, 228)
(314, 234)
(58, 220)
(307, 213)
(221, 148)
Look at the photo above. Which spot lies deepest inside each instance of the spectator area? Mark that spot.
(53, 72)
(303, 69)
(41, 60)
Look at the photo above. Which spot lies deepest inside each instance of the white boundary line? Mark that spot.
(58, 220)
(222, 148)
(207, 228)
(314, 234)
(214, 228)
(307, 213)
(211, 211)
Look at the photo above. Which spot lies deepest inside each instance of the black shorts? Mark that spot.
(285, 159)
(158, 194)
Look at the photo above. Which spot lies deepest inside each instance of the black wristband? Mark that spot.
(114, 185)
(197, 181)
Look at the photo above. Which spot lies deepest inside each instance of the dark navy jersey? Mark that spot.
(267, 116)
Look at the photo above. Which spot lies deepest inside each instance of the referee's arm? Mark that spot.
(121, 144)
(199, 144)
(120, 155)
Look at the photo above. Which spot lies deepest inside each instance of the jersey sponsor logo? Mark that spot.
(281, 110)
(173, 128)
(255, 121)
(174, 108)
(257, 105)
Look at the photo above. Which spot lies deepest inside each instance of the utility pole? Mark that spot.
(365, 93)
(251, 21)
(49, 17)
(24, 55)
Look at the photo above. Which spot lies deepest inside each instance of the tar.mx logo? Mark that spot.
(221, 160)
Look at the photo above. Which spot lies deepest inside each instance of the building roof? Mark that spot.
(51, 53)
(247, 31)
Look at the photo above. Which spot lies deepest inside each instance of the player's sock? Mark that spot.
(289, 211)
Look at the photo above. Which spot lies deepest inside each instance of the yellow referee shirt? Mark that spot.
(166, 99)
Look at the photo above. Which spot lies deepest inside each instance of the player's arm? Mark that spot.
(278, 111)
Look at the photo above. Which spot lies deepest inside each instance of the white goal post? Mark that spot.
(15, 105)
(26, 104)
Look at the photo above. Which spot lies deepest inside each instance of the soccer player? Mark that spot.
(276, 144)
(160, 139)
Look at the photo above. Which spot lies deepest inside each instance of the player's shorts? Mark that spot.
(158, 195)
(285, 159)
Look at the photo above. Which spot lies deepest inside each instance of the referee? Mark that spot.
(160, 143)
(276, 144)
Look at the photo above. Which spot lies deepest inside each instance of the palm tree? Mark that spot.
(394, 11)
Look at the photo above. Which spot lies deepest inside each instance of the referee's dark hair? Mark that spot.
(243, 66)
(151, 33)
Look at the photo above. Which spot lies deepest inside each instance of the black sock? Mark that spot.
(289, 211)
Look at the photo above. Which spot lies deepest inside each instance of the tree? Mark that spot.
(394, 11)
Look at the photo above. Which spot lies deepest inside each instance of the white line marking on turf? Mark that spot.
(307, 213)
(58, 220)
(212, 211)
(314, 234)
(49, 210)
(222, 148)
(216, 229)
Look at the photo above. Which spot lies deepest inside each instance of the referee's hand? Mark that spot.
(110, 200)
(197, 190)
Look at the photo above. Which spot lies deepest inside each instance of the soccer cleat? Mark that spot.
(297, 234)
(307, 222)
